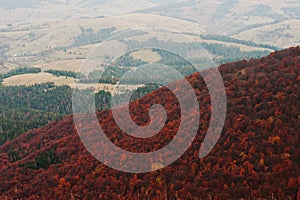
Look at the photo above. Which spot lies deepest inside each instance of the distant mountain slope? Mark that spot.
(239, 18)
(256, 157)
(273, 22)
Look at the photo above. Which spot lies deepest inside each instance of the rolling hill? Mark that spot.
(256, 157)
(40, 32)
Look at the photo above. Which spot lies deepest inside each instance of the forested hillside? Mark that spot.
(256, 157)
(27, 107)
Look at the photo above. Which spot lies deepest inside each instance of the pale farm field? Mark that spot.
(31, 79)
(183, 38)
(286, 37)
(62, 33)
(64, 65)
(146, 55)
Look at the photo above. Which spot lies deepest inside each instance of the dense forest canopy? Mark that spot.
(27, 107)
(256, 157)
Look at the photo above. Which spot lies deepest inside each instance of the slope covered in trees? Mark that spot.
(256, 157)
(27, 107)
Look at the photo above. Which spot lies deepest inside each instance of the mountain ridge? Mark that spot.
(257, 155)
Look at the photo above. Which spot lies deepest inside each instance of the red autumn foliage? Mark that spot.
(257, 155)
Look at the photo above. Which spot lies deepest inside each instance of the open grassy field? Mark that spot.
(146, 55)
(185, 38)
(64, 65)
(280, 34)
(62, 33)
(31, 79)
